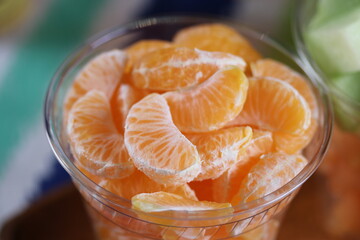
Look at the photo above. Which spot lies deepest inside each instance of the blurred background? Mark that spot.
(35, 38)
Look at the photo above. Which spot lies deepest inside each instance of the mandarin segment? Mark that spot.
(290, 143)
(156, 145)
(102, 73)
(275, 106)
(219, 150)
(138, 182)
(140, 48)
(272, 68)
(262, 142)
(270, 173)
(126, 96)
(217, 38)
(210, 105)
(228, 184)
(94, 139)
(170, 205)
(294, 143)
(175, 68)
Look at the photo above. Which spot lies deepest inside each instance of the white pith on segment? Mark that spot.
(94, 139)
(156, 145)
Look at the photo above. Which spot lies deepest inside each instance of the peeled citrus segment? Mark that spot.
(102, 73)
(94, 139)
(219, 150)
(275, 106)
(210, 105)
(126, 96)
(261, 142)
(289, 142)
(138, 182)
(228, 184)
(272, 68)
(218, 38)
(140, 48)
(270, 173)
(175, 68)
(293, 143)
(169, 204)
(156, 145)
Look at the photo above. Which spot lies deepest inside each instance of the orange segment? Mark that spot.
(262, 142)
(174, 68)
(218, 38)
(169, 204)
(219, 150)
(94, 139)
(293, 143)
(272, 68)
(210, 105)
(156, 145)
(138, 182)
(102, 73)
(290, 143)
(270, 173)
(274, 105)
(228, 184)
(140, 48)
(126, 96)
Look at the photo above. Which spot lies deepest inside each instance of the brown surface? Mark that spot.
(62, 216)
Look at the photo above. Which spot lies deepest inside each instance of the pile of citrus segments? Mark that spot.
(202, 122)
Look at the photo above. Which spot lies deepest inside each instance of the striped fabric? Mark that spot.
(50, 30)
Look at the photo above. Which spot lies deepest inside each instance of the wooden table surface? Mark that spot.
(61, 215)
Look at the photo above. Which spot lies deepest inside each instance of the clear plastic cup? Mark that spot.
(112, 215)
(341, 166)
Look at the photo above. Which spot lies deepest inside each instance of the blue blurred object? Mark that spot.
(212, 7)
(59, 178)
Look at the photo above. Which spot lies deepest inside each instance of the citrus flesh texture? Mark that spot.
(138, 183)
(210, 105)
(156, 145)
(123, 99)
(217, 38)
(178, 127)
(175, 68)
(219, 149)
(274, 105)
(290, 143)
(140, 48)
(227, 185)
(168, 204)
(94, 138)
(271, 172)
(271, 68)
(103, 73)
